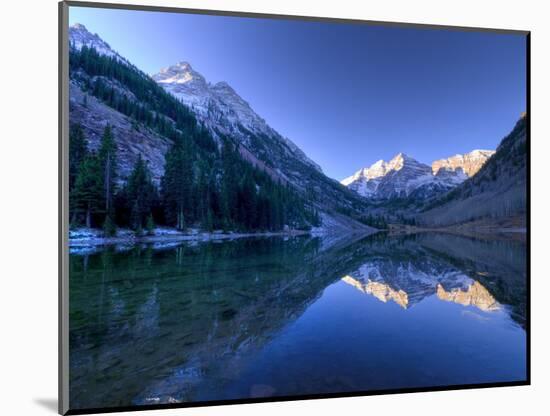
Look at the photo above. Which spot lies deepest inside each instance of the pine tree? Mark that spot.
(150, 224)
(208, 220)
(78, 150)
(108, 161)
(247, 202)
(140, 194)
(88, 189)
(177, 184)
(200, 196)
(109, 227)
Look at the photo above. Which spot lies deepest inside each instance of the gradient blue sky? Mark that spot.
(348, 95)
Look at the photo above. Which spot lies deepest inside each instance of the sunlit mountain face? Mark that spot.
(407, 281)
(470, 293)
(404, 177)
(408, 271)
(380, 291)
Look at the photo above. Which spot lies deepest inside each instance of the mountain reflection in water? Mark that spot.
(277, 316)
(451, 286)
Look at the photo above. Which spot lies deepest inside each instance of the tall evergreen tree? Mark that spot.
(177, 185)
(86, 195)
(78, 150)
(108, 161)
(140, 194)
(247, 202)
(229, 186)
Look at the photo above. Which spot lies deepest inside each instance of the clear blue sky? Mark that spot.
(348, 95)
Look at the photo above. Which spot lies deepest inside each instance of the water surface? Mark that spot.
(281, 316)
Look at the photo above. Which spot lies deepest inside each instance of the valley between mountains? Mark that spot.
(172, 155)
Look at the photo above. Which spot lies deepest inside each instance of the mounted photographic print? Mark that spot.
(264, 208)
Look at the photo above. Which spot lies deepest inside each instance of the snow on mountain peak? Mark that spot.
(400, 156)
(179, 73)
(400, 160)
(219, 107)
(404, 175)
(381, 168)
(80, 36)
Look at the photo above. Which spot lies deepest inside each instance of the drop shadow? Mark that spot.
(48, 404)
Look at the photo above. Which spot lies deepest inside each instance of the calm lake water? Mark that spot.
(292, 316)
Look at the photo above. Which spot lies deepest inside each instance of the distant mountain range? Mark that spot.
(495, 180)
(405, 177)
(465, 292)
(409, 269)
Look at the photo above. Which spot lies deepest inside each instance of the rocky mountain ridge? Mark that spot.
(403, 176)
(79, 36)
(220, 108)
(469, 163)
(408, 283)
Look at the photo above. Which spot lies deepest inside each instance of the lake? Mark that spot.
(280, 316)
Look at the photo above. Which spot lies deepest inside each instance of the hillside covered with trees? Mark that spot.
(205, 183)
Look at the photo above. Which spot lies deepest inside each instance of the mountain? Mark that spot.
(497, 191)
(406, 270)
(469, 163)
(79, 36)
(221, 109)
(226, 114)
(398, 177)
(469, 292)
(147, 113)
(408, 282)
(405, 177)
(93, 113)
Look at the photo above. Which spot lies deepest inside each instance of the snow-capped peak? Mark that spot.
(381, 168)
(404, 175)
(180, 73)
(222, 85)
(399, 161)
(220, 108)
(80, 36)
